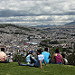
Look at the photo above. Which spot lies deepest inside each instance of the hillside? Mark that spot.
(10, 32)
(50, 69)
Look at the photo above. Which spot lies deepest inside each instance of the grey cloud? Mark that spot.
(57, 11)
(39, 7)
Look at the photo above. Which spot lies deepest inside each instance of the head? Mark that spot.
(46, 49)
(39, 52)
(64, 50)
(3, 49)
(31, 52)
(57, 51)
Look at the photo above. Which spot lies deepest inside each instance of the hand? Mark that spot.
(41, 68)
(45, 65)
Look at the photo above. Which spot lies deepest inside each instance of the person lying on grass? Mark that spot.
(38, 62)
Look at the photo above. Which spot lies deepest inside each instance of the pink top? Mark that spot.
(2, 56)
(58, 58)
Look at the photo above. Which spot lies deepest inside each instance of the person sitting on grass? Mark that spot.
(29, 58)
(38, 62)
(64, 56)
(57, 57)
(46, 55)
(3, 56)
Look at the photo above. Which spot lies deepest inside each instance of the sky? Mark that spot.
(37, 12)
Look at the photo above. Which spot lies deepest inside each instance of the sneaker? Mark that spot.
(28, 63)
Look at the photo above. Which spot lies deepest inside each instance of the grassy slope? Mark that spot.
(51, 69)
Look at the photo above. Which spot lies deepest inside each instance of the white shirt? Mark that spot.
(40, 57)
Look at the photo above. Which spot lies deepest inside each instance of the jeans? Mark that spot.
(31, 65)
(4, 61)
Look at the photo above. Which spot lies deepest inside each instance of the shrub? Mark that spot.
(18, 58)
(71, 59)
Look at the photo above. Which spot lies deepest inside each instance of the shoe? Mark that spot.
(28, 63)
(19, 62)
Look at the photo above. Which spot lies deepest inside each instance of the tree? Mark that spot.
(71, 58)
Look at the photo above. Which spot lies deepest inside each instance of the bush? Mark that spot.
(71, 59)
(18, 58)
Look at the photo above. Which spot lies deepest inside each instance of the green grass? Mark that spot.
(50, 69)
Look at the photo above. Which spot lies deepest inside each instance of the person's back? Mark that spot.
(46, 55)
(28, 59)
(2, 56)
(40, 57)
(58, 58)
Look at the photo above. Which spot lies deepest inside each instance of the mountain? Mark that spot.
(71, 23)
(45, 26)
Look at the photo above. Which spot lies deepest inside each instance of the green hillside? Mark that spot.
(50, 69)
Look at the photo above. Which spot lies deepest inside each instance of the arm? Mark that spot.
(44, 62)
(40, 64)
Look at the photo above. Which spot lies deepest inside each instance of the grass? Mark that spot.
(50, 69)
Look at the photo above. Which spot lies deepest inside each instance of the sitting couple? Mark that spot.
(35, 63)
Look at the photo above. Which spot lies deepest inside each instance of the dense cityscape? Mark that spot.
(19, 39)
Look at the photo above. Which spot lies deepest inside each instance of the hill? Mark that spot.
(45, 26)
(51, 69)
(71, 23)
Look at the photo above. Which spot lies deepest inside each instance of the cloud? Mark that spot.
(43, 11)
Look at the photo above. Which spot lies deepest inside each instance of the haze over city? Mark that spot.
(37, 12)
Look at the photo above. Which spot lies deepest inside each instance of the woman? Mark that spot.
(57, 57)
(29, 58)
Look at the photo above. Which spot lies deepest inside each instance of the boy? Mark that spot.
(46, 55)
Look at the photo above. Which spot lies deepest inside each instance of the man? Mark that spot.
(46, 55)
(38, 62)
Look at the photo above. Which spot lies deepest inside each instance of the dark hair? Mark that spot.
(39, 51)
(57, 51)
(30, 52)
(64, 50)
(2, 49)
(46, 49)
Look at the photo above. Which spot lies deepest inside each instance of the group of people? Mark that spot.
(42, 58)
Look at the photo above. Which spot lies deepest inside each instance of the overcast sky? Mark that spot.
(37, 12)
